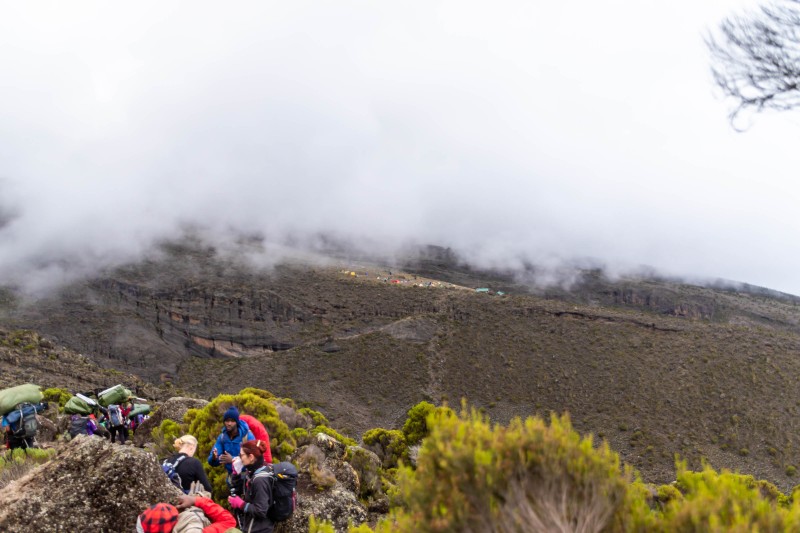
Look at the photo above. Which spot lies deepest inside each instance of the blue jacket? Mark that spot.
(232, 446)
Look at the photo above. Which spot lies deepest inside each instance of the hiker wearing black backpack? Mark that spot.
(20, 425)
(116, 423)
(186, 468)
(252, 490)
(81, 425)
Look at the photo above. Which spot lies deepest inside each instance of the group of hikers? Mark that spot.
(261, 493)
(111, 414)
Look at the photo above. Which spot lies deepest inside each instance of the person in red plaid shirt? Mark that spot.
(163, 517)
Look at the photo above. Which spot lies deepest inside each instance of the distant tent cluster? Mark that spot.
(389, 277)
(489, 291)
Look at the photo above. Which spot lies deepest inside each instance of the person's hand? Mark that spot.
(236, 502)
(226, 458)
(185, 501)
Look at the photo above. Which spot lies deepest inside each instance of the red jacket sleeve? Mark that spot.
(221, 520)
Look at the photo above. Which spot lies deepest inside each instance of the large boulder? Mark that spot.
(327, 487)
(173, 409)
(47, 429)
(90, 486)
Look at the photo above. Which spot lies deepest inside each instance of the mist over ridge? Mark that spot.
(384, 128)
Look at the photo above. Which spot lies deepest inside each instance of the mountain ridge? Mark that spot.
(654, 367)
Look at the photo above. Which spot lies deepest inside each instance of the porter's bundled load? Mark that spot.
(77, 405)
(10, 398)
(139, 409)
(115, 395)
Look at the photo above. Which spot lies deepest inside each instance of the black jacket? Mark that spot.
(190, 470)
(255, 487)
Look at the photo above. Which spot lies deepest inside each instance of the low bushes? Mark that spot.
(16, 463)
(533, 476)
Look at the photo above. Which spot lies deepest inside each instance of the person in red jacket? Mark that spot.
(162, 517)
(259, 432)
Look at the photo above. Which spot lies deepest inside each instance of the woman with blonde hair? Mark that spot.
(186, 465)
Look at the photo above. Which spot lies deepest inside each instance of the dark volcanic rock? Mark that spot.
(91, 486)
(338, 503)
(172, 409)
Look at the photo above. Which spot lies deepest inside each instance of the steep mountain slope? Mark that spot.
(654, 366)
(26, 357)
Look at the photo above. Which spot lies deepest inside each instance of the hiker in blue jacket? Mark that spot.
(229, 443)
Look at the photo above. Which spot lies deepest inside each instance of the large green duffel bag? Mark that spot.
(9, 398)
(76, 406)
(139, 409)
(115, 395)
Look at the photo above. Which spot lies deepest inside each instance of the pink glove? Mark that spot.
(236, 502)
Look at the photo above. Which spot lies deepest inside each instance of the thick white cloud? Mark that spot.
(510, 131)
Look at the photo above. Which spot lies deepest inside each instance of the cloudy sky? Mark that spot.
(510, 131)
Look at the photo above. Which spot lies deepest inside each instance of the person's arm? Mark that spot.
(213, 459)
(221, 520)
(262, 495)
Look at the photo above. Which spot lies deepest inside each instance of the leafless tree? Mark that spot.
(756, 57)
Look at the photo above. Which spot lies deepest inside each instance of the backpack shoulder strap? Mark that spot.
(264, 471)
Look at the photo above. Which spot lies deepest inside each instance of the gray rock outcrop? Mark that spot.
(336, 502)
(172, 409)
(91, 486)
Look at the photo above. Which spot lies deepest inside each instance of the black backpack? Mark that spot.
(284, 491)
(78, 425)
(27, 425)
(172, 474)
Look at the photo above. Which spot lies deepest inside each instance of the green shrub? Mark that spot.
(416, 428)
(791, 470)
(317, 418)
(474, 476)
(389, 445)
(321, 526)
(721, 502)
(57, 396)
(667, 493)
(261, 393)
(361, 528)
(16, 463)
(301, 436)
(347, 441)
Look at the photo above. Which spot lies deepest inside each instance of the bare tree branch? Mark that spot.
(756, 58)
